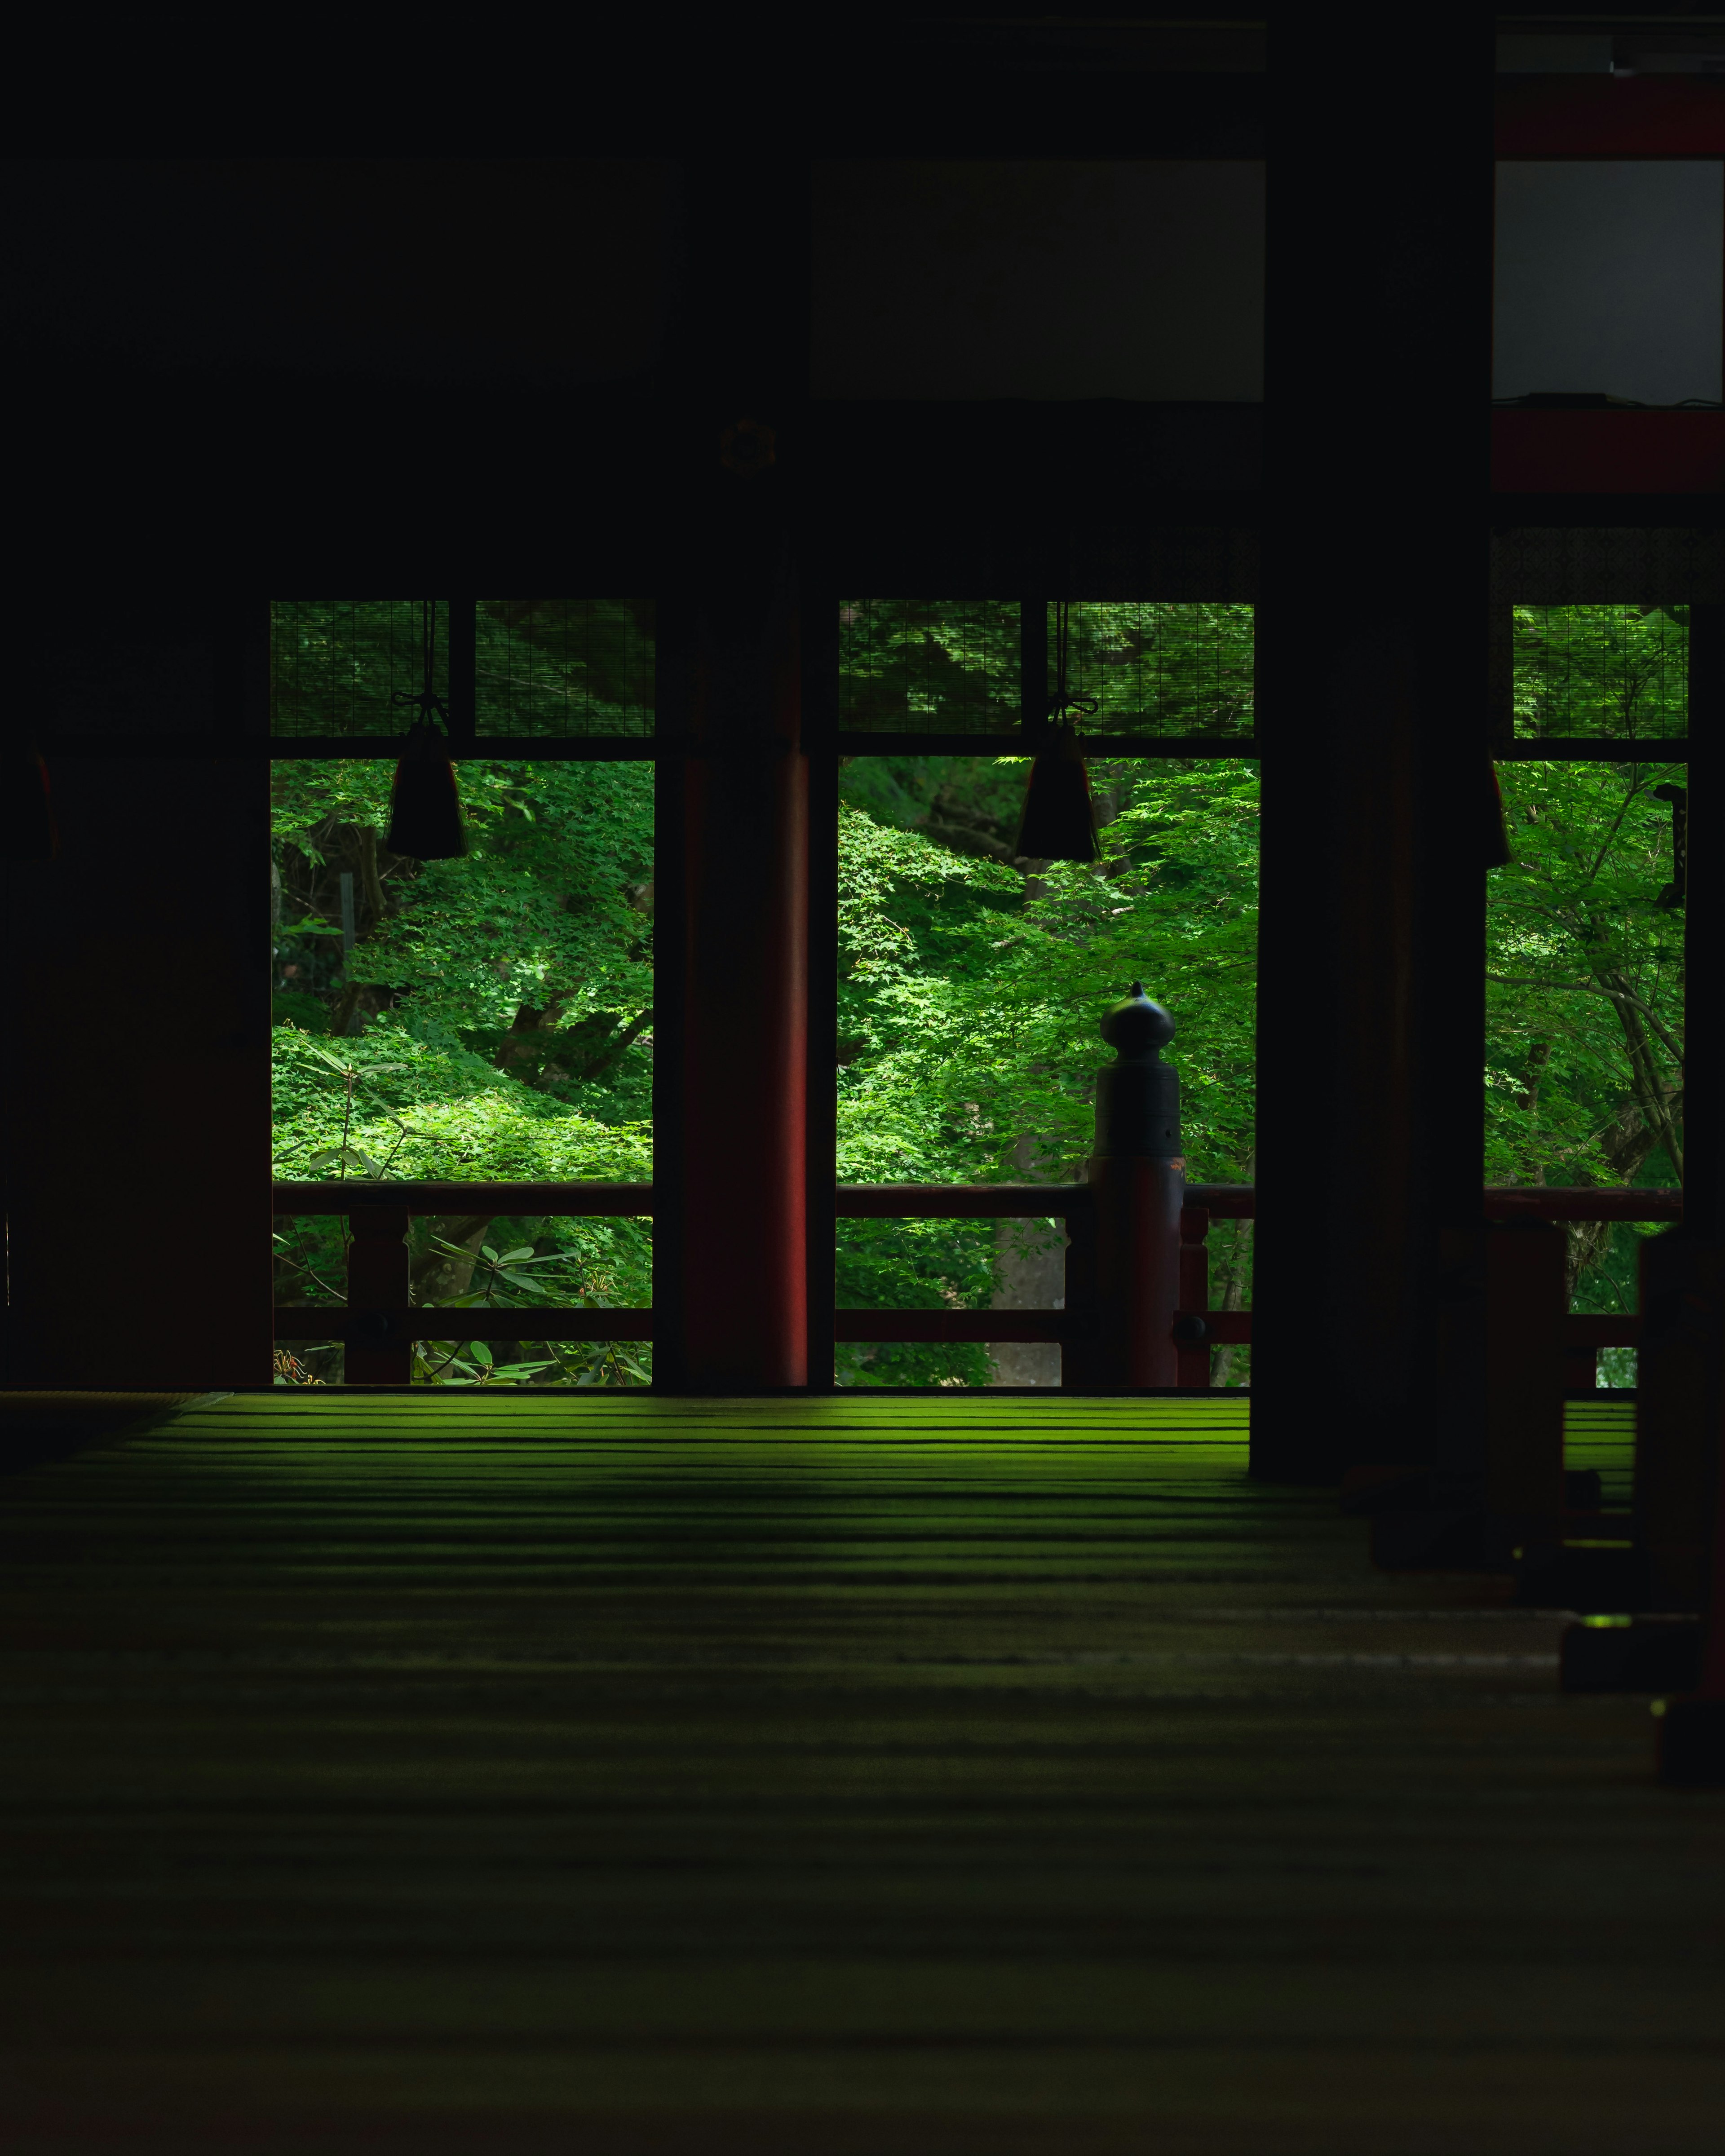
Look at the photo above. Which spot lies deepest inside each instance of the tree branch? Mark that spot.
(1671, 1047)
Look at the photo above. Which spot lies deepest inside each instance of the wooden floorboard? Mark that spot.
(655, 1778)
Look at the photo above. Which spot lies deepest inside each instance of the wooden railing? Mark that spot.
(378, 1323)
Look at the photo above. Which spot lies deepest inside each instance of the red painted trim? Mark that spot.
(745, 1266)
(1555, 115)
(1608, 452)
(1581, 1202)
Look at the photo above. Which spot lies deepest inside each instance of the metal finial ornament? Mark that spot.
(747, 448)
(1137, 1095)
(1059, 823)
(425, 820)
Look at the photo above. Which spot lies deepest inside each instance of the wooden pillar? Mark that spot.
(731, 1238)
(136, 1022)
(1679, 1453)
(1679, 1409)
(1526, 1300)
(378, 1287)
(1368, 1294)
(741, 1242)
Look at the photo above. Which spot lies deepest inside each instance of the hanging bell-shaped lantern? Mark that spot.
(27, 832)
(425, 818)
(1060, 819)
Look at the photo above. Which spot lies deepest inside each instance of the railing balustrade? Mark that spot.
(1137, 1312)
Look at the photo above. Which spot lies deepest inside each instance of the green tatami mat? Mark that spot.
(847, 1778)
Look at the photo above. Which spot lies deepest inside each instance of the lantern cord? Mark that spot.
(1062, 703)
(428, 703)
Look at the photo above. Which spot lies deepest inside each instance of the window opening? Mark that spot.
(1585, 931)
(487, 1020)
(928, 665)
(1607, 673)
(971, 981)
(336, 664)
(1163, 667)
(563, 668)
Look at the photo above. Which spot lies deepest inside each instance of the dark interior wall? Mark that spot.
(199, 462)
(440, 270)
(136, 1082)
(964, 278)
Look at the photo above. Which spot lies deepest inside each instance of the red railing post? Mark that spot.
(1191, 1325)
(376, 1285)
(1137, 1178)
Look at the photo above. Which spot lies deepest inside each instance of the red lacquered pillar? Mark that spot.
(744, 1260)
(1138, 1181)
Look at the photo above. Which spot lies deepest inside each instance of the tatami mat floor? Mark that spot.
(619, 1774)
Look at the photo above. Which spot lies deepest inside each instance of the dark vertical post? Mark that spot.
(1680, 1457)
(377, 1285)
(1137, 1183)
(745, 1280)
(1526, 1300)
(186, 985)
(1704, 932)
(1581, 1369)
(821, 682)
(1191, 1338)
(1679, 1407)
(736, 367)
(670, 773)
(1369, 1291)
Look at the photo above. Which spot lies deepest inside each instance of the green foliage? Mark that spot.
(564, 666)
(1584, 998)
(1604, 670)
(546, 912)
(568, 666)
(935, 665)
(536, 949)
(1152, 666)
(510, 1000)
(1163, 667)
(971, 990)
(436, 1113)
